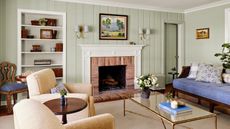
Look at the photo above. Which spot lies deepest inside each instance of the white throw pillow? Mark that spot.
(193, 70)
(226, 77)
(209, 73)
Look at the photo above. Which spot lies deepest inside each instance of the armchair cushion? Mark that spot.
(41, 82)
(31, 114)
(58, 88)
(107, 122)
(79, 88)
(12, 86)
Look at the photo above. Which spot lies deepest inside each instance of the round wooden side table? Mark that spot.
(73, 105)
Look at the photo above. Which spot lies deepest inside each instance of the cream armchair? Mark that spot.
(31, 114)
(40, 83)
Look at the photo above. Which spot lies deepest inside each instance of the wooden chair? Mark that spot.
(8, 84)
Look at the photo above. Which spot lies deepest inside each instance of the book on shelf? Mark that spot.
(166, 106)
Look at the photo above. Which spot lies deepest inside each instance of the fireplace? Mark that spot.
(118, 71)
(95, 56)
(112, 77)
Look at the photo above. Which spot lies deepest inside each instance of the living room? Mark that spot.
(156, 37)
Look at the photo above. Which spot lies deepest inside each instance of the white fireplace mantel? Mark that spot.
(108, 50)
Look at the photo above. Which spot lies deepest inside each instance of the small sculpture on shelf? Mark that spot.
(36, 48)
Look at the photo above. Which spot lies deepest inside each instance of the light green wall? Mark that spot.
(78, 14)
(2, 28)
(203, 50)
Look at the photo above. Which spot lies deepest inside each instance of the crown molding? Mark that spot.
(206, 6)
(123, 5)
(144, 7)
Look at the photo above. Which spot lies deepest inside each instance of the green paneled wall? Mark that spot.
(78, 14)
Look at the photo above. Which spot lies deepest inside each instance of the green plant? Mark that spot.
(225, 55)
(169, 95)
(63, 92)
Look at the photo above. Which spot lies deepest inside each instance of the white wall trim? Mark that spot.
(123, 5)
(108, 50)
(227, 25)
(207, 6)
(180, 47)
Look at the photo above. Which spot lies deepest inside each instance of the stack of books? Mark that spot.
(166, 106)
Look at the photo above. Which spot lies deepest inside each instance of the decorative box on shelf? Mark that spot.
(42, 62)
(58, 72)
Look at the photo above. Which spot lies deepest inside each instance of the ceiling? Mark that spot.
(160, 5)
(172, 4)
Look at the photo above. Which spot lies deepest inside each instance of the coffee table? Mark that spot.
(152, 104)
(73, 105)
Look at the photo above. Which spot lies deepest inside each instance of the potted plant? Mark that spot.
(225, 55)
(63, 93)
(145, 82)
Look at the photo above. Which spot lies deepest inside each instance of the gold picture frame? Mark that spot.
(113, 27)
(202, 33)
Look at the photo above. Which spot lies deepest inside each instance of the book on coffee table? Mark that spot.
(181, 109)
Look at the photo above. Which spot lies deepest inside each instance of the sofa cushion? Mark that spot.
(216, 91)
(193, 70)
(209, 73)
(58, 88)
(226, 77)
(12, 86)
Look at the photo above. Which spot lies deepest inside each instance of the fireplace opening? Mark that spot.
(112, 77)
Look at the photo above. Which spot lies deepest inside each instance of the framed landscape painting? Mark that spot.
(113, 27)
(202, 33)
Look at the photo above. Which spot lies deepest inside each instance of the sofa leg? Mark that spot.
(199, 102)
(211, 107)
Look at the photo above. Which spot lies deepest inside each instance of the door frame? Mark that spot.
(180, 44)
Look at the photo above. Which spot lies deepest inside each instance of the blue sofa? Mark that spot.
(215, 94)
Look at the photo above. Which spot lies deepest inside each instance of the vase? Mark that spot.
(145, 93)
(63, 100)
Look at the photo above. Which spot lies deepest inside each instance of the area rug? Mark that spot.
(132, 121)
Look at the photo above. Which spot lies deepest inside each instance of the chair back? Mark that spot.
(41, 82)
(31, 114)
(7, 72)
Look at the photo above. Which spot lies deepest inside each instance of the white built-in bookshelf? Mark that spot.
(25, 58)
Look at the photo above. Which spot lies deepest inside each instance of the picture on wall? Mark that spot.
(202, 33)
(113, 27)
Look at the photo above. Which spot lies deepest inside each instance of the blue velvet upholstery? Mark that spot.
(214, 91)
(12, 86)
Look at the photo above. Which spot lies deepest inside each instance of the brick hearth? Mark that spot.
(111, 61)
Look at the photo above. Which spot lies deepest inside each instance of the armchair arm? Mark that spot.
(104, 121)
(79, 88)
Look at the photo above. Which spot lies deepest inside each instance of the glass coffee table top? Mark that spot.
(152, 104)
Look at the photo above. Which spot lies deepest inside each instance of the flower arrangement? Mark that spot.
(147, 81)
(63, 92)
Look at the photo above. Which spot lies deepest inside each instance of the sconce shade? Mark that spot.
(86, 28)
(140, 31)
(147, 31)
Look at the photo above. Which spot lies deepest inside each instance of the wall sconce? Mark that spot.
(81, 30)
(144, 33)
